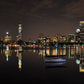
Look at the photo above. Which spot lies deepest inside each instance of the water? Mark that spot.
(29, 66)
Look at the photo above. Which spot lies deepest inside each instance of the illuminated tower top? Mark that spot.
(19, 37)
(20, 28)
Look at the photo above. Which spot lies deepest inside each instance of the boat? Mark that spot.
(54, 61)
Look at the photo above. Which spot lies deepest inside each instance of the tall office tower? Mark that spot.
(80, 32)
(19, 37)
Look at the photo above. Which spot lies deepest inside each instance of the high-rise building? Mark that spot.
(80, 32)
(19, 37)
(77, 35)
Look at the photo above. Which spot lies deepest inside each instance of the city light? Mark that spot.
(7, 33)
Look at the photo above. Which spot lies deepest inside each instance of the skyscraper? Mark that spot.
(19, 37)
(80, 32)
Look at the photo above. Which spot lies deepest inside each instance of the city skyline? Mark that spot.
(46, 16)
(38, 34)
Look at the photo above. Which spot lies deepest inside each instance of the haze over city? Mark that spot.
(40, 16)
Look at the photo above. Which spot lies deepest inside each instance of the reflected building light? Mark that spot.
(20, 61)
(48, 52)
(7, 54)
(81, 69)
(64, 51)
(17, 54)
(81, 65)
(82, 46)
(34, 50)
(43, 52)
(7, 47)
(54, 51)
(74, 46)
(64, 46)
(72, 51)
(76, 50)
(15, 50)
(40, 52)
(56, 45)
(77, 61)
(20, 64)
(7, 58)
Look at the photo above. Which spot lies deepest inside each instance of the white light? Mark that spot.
(6, 58)
(77, 30)
(77, 61)
(7, 33)
(7, 48)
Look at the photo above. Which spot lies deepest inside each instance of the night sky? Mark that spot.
(50, 17)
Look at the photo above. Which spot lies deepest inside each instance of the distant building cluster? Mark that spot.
(8, 38)
(80, 32)
(77, 37)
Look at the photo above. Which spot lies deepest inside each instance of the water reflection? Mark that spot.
(19, 56)
(70, 51)
(63, 53)
(81, 63)
(51, 57)
(7, 53)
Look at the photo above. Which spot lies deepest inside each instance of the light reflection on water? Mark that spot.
(8, 53)
(71, 52)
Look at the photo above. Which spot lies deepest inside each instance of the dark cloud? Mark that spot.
(43, 8)
(74, 9)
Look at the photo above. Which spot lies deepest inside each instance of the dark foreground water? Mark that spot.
(29, 67)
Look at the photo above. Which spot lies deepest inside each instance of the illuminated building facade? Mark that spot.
(41, 38)
(7, 38)
(64, 38)
(61, 38)
(80, 32)
(71, 38)
(54, 39)
(19, 37)
(77, 35)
